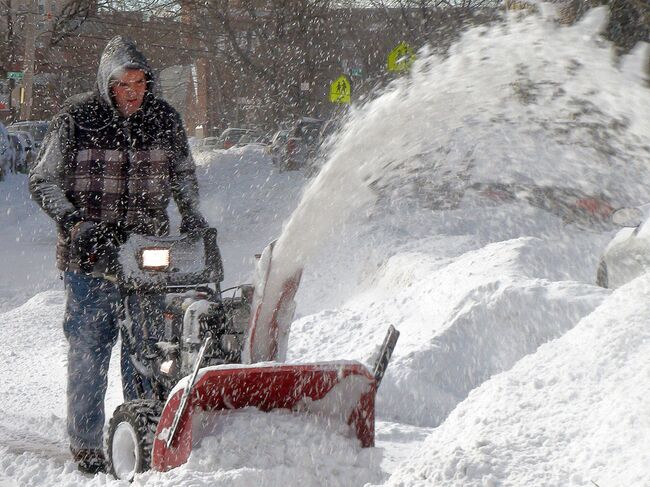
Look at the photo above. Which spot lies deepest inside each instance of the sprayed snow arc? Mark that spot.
(512, 367)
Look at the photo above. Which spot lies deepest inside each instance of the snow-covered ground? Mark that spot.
(512, 368)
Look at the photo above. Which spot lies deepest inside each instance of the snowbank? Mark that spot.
(574, 413)
(462, 320)
(27, 242)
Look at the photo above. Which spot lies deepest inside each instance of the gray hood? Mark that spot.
(119, 54)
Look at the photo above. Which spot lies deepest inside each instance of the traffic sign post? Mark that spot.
(18, 75)
(401, 58)
(340, 90)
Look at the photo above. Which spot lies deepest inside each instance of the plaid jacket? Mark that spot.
(116, 171)
(121, 171)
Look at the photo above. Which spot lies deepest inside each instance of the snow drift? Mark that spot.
(574, 413)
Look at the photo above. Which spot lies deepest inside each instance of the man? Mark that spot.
(107, 168)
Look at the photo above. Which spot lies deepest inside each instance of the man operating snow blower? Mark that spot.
(107, 169)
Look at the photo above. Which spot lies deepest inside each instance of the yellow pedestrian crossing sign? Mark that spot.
(340, 90)
(401, 58)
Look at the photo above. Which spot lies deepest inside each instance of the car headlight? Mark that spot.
(155, 259)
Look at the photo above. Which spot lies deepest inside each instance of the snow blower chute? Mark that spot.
(221, 353)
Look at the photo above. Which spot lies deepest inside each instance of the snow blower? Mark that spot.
(220, 353)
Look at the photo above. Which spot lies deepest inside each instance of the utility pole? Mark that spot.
(10, 44)
(11, 57)
(202, 97)
(30, 61)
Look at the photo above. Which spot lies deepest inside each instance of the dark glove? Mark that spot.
(69, 220)
(92, 241)
(192, 224)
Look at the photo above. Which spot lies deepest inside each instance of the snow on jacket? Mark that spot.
(103, 167)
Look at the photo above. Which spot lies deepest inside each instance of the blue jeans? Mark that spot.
(146, 329)
(91, 326)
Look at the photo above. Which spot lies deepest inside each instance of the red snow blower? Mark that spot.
(221, 352)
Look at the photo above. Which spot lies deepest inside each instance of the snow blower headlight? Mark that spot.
(155, 259)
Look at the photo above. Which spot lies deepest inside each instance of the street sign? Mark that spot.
(356, 72)
(15, 75)
(340, 90)
(401, 58)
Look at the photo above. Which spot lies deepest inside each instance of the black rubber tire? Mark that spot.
(601, 275)
(143, 416)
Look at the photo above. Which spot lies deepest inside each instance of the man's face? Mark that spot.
(128, 91)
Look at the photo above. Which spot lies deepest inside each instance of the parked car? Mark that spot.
(265, 139)
(19, 157)
(301, 144)
(6, 152)
(278, 140)
(206, 144)
(231, 136)
(628, 254)
(250, 138)
(329, 128)
(37, 129)
(29, 146)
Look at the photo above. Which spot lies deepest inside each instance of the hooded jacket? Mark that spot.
(96, 165)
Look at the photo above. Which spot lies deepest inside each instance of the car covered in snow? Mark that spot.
(251, 138)
(627, 255)
(231, 136)
(571, 205)
(29, 146)
(19, 160)
(6, 152)
(206, 144)
(300, 144)
(278, 139)
(36, 128)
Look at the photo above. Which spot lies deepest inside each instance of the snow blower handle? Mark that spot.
(186, 392)
(385, 352)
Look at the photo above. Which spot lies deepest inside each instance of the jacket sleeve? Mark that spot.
(184, 185)
(47, 175)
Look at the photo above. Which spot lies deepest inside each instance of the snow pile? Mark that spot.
(27, 241)
(277, 448)
(462, 320)
(33, 438)
(19, 355)
(574, 413)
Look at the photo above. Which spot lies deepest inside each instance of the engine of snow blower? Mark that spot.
(186, 271)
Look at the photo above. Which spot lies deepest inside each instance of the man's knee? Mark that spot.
(92, 312)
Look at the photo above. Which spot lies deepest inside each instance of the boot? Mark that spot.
(89, 460)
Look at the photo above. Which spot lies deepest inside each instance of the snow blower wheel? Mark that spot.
(130, 437)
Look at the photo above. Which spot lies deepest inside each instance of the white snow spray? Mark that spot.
(523, 101)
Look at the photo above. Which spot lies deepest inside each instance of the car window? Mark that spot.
(36, 129)
(235, 135)
(250, 137)
(40, 131)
